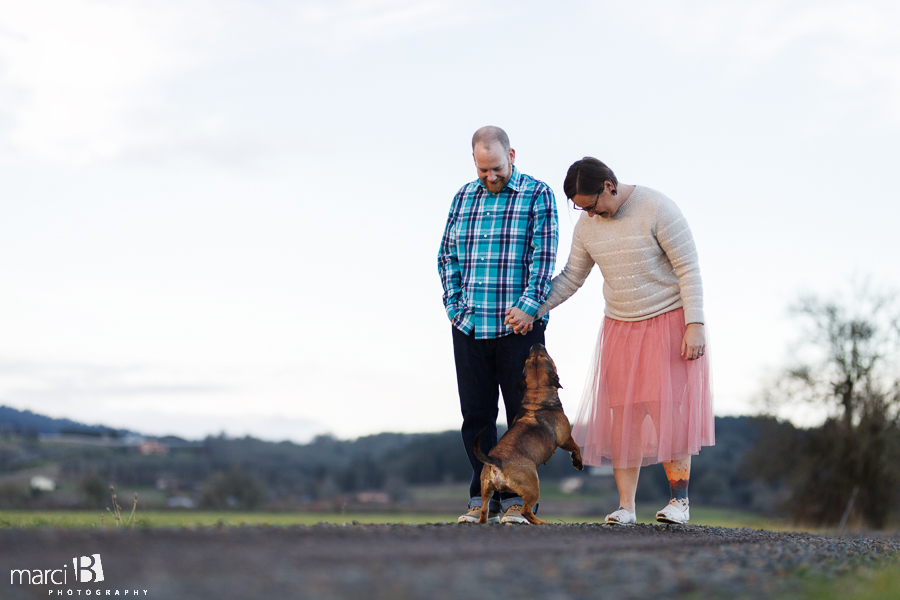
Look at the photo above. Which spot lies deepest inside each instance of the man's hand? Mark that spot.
(693, 346)
(520, 321)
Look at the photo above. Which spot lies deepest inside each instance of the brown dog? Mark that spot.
(540, 427)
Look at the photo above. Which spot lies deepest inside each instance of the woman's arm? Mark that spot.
(674, 236)
(677, 242)
(572, 277)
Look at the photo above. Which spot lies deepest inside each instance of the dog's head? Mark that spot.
(539, 371)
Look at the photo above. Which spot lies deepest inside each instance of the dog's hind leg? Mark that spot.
(529, 499)
(487, 492)
(571, 447)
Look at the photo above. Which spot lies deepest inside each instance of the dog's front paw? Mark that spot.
(576, 462)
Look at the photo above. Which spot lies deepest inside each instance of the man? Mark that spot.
(497, 253)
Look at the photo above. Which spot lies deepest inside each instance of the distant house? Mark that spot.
(42, 484)
(180, 502)
(148, 447)
(373, 497)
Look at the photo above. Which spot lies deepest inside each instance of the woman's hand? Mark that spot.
(518, 320)
(693, 346)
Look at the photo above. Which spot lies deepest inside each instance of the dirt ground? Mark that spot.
(399, 562)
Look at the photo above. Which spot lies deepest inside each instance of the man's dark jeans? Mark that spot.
(482, 368)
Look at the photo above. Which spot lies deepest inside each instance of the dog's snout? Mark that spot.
(538, 351)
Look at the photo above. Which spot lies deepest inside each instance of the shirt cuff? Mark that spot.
(464, 323)
(528, 306)
(693, 315)
(454, 310)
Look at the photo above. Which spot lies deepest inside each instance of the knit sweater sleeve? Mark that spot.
(675, 238)
(572, 277)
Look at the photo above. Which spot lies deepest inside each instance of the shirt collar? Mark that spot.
(514, 183)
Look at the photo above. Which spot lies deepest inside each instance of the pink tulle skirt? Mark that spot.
(643, 403)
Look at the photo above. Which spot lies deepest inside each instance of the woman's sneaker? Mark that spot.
(621, 517)
(676, 512)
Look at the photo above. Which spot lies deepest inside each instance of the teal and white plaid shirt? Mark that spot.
(498, 251)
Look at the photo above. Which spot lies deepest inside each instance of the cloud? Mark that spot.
(273, 428)
(54, 384)
(88, 81)
(852, 43)
(76, 72)
(147, 400)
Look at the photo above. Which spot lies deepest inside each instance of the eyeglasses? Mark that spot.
(592, 207)
(588, 208)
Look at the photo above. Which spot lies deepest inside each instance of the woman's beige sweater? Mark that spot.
(647, 257)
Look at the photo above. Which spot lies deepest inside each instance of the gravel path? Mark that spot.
(433, 562)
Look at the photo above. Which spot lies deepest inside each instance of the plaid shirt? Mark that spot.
(498, 251)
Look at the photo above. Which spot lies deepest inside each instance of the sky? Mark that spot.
(224, 216)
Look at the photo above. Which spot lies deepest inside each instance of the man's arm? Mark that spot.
(448, 264)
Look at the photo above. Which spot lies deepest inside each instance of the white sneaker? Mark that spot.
(673, 513)
(621, 517)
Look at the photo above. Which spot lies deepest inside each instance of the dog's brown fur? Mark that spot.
(540, 427)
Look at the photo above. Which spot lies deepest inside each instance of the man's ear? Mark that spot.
(512, 156)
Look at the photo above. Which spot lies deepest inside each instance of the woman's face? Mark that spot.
(603, 205)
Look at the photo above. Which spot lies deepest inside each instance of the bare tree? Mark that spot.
(849, 364)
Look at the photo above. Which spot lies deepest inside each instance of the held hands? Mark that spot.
(693, 346)
(520, 321)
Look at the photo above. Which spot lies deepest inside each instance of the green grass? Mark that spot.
(160, 518)
(723, 517)
(879, 583)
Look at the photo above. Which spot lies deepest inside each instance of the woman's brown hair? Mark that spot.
(587, 177)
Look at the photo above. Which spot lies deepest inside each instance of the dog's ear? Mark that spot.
(554, 380)
(523, 384)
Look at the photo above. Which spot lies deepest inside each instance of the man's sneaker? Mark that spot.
(673, 513)
(621, 517)
(475, 513)
(513, 515)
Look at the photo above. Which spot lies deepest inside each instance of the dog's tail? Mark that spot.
(482, 456)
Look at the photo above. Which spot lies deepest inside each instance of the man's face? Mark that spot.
(494, 166)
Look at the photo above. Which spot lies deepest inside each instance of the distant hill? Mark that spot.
(327, 470)
(25, 421)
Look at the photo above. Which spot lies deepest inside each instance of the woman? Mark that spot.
(648, 396)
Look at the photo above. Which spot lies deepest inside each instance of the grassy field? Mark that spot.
(880, 583)
(149, 518)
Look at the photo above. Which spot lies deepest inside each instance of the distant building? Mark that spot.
(373, 497)
(43, 484)
(180, 502)
(148, 447)
(570, 485)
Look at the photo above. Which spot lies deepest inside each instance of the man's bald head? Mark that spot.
(489, 134)
(493, 157)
